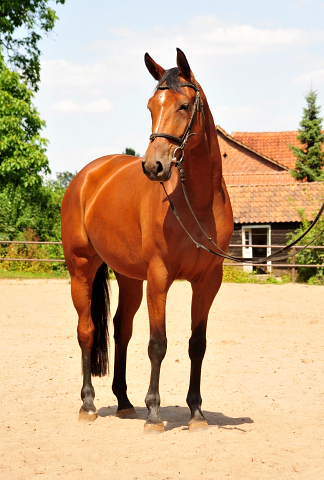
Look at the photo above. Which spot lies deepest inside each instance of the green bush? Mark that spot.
(31, 216)
(237, 275)
(311, 275)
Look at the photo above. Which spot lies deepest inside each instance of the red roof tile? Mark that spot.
(275, 203)
(268, 178)
(271, 144)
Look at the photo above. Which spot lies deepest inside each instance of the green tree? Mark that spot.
(22, 149)
(310, 157)
(131, 151)
(30, 17)
(63, 179)
(31, 215)
(310, 256)
(34, 211)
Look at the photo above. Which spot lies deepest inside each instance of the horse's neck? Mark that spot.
(204, 166)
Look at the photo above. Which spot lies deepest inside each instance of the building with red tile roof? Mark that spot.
(266, 198)
(240, 158)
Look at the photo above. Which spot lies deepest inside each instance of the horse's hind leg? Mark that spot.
(203, 294)
(130, 297)
(83, 278)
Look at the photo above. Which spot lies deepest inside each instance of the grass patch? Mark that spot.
(231, 275)
(22, 275)
(237, 275)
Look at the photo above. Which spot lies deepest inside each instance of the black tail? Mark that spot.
(100, 313)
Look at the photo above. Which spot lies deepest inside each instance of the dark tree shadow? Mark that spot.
(177, 417)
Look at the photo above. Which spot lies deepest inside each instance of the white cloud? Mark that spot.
(302, 3)
(207, 34)
(69, 106)
(64, 73)
(233, 117)
(204, 36)
(224, 38)
(224, 115)
(314, 78)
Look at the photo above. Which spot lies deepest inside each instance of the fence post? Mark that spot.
(293, 273)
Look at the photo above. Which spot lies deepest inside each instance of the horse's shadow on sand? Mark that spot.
(177, 417)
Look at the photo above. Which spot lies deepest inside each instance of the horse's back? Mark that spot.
(94, 173)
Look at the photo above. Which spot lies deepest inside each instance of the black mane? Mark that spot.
(171, 80)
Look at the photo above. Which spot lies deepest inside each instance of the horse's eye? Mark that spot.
(184, 106)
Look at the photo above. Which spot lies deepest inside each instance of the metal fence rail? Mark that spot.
(292, 265)
(10, 242)
(7, 259)
(30, 242)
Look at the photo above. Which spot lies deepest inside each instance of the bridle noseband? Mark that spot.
(197, 106)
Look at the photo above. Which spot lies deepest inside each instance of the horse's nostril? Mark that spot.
(159, 167)
(143, 168)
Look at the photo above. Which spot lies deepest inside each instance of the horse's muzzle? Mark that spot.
(156, 171)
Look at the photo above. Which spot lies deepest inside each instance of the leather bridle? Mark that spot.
(197, 106)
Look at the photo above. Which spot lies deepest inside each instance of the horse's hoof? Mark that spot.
(87, 416)
(127, 413)
(197, 425)
(153, 428)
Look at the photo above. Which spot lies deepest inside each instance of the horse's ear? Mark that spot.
(183, 65)
(155, 70)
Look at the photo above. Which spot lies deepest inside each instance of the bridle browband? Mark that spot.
(197, 106)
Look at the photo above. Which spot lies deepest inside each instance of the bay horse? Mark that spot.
(116, 212)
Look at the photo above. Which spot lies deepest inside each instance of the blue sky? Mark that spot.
(255, 61)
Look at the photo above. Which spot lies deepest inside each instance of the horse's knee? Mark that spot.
(157, 347)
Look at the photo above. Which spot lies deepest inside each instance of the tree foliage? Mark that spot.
(131, 151)
(63, 179)
(31, 215)
(22, 149)
(310, 157)
(310, 256)
(31, 17)
(36, 211)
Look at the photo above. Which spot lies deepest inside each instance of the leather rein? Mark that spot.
(199, 106)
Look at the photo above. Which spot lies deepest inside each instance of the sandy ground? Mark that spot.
(262, 387)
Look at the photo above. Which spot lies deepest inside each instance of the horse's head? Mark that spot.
(173, 110)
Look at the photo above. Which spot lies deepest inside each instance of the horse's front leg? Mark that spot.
(203, 294)
(157, 287)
